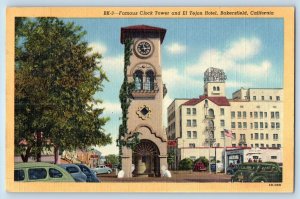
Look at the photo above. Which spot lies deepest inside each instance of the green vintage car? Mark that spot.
(40, 171)
(258, 172)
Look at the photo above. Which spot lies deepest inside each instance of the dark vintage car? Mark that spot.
(258, 172)
(199, 166)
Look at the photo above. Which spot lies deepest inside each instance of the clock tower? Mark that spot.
(145, 110)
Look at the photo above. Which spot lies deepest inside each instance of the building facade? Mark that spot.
(254, 116)
(145, 110)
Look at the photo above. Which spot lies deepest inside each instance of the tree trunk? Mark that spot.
(39, 146)
(56, 154)
(27, 154)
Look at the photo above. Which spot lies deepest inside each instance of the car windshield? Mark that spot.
(247, 167)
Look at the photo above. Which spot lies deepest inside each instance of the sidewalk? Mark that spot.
(190, 177)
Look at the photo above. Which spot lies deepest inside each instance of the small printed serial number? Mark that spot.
(274, 185)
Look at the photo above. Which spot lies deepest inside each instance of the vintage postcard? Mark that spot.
(157, 99)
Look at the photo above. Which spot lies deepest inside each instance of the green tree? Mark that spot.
(56, 77)
(186, 164)
(112, 159)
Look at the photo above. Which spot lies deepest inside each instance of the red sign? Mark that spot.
(172, 143)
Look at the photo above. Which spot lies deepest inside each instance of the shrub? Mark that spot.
(186, 164)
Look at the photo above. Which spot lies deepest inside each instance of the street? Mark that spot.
(176, 177)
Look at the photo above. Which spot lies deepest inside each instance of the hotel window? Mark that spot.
(277, 115)
(255, 114)
(273, 157)
(261, 136)
(267, 145)
(271, 98)
(272, 125)
(233, 145)
(256, 125)
(254, 97)
(194, 111)
(244, 125)
(189, 134)
(262, 145)
(233, 125)
(272, 115)
(222, 123)
(256, 145)
(266, 114)
(188, 111)
(239, 114)
(233, 136)
(194, 134)
(275, 136)
(277, 125)
(251, 125)
(250, 114)
(261, 125)
(277, 98)
(261, 114)
(239, 125)
(194, 122)
(222, 111)
(222, 134)
(266, 125)
(279, 146)
(262, 98)
(251, 136)
(256, 136)
(267, 136)
(251, 145)
(188, 123)
(232, 114)
(244, 114)
(192, 145)
(273, 145)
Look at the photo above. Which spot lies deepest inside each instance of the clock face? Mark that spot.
(144, 48)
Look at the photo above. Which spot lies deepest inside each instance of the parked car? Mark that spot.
(75, 172)
(258, 172)
(39, 171)
(91, 175)
(102, 169)
(199, 166)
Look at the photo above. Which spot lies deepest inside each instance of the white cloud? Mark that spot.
(176, 48)
(263, 68)
(109, 149)
(243, 48)
(109, 107)
(173, 78)
(98, 47)
(237, 57)
(113, 64)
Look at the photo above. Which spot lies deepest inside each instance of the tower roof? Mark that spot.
(126, 31)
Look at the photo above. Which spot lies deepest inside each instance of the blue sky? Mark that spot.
(249, 50)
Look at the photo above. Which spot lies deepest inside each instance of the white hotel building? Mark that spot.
(254, 115)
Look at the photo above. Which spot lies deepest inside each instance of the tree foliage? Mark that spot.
(186, 164)
(56, 77)
(112, 159)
